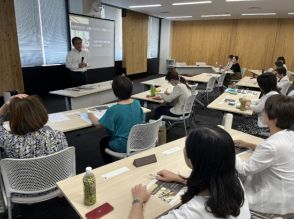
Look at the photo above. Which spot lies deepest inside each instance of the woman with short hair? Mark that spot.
(282, 76)
(213, 187)
(28, 136)
(119, 118)
(270, 170)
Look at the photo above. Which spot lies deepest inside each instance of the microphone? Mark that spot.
(82, 60)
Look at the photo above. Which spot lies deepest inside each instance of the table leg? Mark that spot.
(67, 103)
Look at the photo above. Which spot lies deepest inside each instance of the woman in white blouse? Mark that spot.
(282, 76)
(269, 184)
(268, 85)
(177, 97)
(213, 187)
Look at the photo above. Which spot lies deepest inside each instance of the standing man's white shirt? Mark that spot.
(74, 58)
(269, 184)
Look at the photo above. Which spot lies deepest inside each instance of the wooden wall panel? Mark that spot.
(10, 73)
(285, 42)
(135, 34)
(256, 42)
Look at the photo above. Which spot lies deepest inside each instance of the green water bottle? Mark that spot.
(152, 91)
(89, 187)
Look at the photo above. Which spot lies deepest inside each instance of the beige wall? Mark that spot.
(257, 42)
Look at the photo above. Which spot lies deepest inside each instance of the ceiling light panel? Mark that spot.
(145, 6)
(192, 3)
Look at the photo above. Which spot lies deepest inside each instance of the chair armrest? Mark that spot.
(115, 154)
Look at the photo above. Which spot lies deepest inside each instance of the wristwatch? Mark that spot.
(135, 201)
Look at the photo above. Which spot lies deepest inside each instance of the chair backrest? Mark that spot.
(143, 136)
(37, 175)
(285, 87)
(243, 70)
(291, 94)
(221, 79)
(181, 63)
(188, 107)
(290, 73)
(194, 89)
(210, 84)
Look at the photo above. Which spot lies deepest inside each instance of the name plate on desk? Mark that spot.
(114, 173)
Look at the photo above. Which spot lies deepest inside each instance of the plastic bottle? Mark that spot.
(228, 121)
(89, 187)
(152, 91)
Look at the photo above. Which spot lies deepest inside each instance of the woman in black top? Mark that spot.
(236, 69)
(237, 72)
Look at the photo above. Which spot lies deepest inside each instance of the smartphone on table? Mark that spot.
(99, 211)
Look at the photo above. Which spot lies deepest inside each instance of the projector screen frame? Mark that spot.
(83, 15)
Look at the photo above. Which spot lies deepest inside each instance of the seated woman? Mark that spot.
(28, 136)
(213, 187)
(236, 69)
(283, 61)
(178, 97)
(282, 76)
(270, 170)
(230, 62)
(237, 72)
(119, 118)
(268, 85)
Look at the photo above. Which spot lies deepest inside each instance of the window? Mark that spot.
(115, 14)
(153, 37)
(42, 31)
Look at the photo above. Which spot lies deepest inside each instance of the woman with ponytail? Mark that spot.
(213, 187)
(177, 97)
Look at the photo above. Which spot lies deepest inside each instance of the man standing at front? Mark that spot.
(76, 61)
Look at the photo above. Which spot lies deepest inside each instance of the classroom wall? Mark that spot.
(258, 42)
(10, 73)
(135, 34)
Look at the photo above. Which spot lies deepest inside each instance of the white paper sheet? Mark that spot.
(57, 117)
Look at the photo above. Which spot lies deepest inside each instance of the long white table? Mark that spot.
(194, 69)
(117, 190)
(222, 102)
(87, 95)
(248, 82)
(70, 120)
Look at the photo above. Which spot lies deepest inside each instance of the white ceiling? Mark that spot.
(281, 7)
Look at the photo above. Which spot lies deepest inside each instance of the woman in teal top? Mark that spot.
(119, 118)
